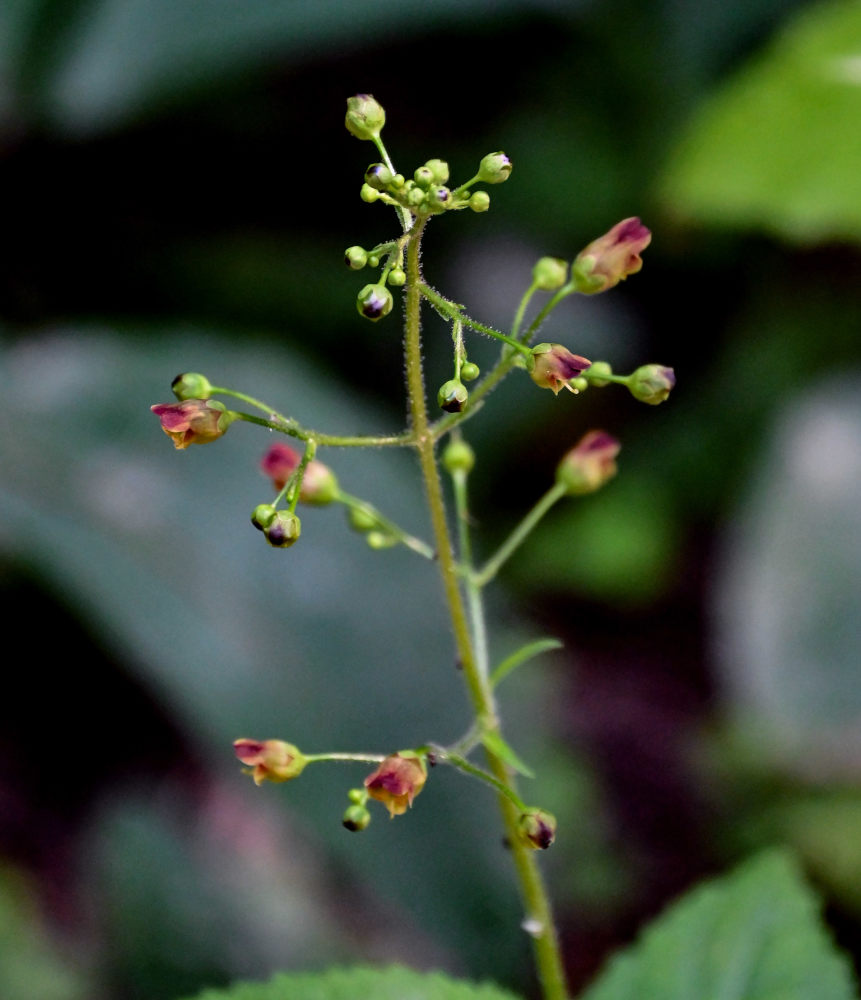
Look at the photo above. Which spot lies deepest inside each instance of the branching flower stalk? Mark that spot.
(198, 418)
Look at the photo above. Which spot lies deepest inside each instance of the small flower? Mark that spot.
(612, 257)
(270, 760)
(452, 396)
(652, 383)
(589, 464)
(555, 366)
(397, 781)
(537, 828)
(319, 485)
(374, 302)
(283, 530)
(193, 421)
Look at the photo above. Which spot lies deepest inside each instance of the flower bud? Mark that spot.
(452, 396)
(191, 385)
(415, 196)
(193, 421)
(537, 828)
(612, 257)
(365, 117)
(283, 530)
(397, 277)
(355, 258)
(263, 515)
(479, 201)
(550, 273)
(362, 519)
(438, 199)
(469, 372)
(652, 383)
(374, 302)
(270, 760)
(369, 195)
(424, 176)
(356, 818)
(439, 171)
(458, 457)
(597, 371)
(494, 168)
(380, 540)
(555, 366)
(579, 384)
(319, 484)
(397, 781)
(589, 464)
(378, 176)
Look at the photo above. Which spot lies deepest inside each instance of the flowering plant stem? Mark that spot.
(531, 884)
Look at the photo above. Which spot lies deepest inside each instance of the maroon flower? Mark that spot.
(319, 485)
(270, 760)
(193, 421)
(555, 366)
(397, 781)
(589, 464)
(612, 257)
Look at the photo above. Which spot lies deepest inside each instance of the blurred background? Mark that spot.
(176, 190)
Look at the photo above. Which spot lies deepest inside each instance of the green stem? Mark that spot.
(516, 538)
(451, 310)
(285, 425)
(532, 890)
(416, 544)
(363, 758)
(521, 309)
(403, 214)
(462, 764)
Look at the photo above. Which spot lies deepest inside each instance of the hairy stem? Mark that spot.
(532, 890)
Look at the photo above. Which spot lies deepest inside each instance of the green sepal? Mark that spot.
(527, 652)
(493, 742)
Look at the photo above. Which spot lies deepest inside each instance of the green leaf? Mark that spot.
(752, 935)
(395, 983)
(522, 655)
(497, 745)
(779, 147)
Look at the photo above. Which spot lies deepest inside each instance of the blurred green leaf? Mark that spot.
(394, 983)
(779, 146)
(753, 934)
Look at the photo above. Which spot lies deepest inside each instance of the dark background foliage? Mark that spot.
(176, 190)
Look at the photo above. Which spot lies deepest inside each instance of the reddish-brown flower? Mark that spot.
(589, 464)
(612, 257)
(319, 485)
(397, 781)
(537, 829)
(555, 366)
(270, 760)
(193, 421)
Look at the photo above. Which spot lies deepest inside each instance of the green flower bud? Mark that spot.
(356, 818)
(596, 371)
(397, 277)
(191, 385)
(373, 260)
(469, 371)
(438, 199)
(415, 196)
(355, 258)
(263, 515)
(365, 117)
(378, 176)
(550, 273)
(439, 169)
(479, 201)
(458, 457)
(374, 302)
(362, 519)
(652, 383)
(452, 396)
(283, 530)
(398, 181)
(424, 177)
(579, 384)
(368, 194)
(380, 540)
(494, 168)
(358, 796)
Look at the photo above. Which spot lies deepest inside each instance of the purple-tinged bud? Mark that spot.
(355, 258)
(263, 515)
(397, 781)
(550, 273)
(378, 176)
(191, 385)
(555, 366)
(537, 829)
(438, 199)
(652, 383)
(365, 117)
(479, 201)
(193, 421)
(452, 396)
(494, 168)
(356, 818)
(283, 530)
(424, 176)
(589, 464)
(458, 456)
(612, 257)
(374, 302)
(319, 484)
(270, 760)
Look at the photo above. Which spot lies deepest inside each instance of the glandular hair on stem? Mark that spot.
(532, 926)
